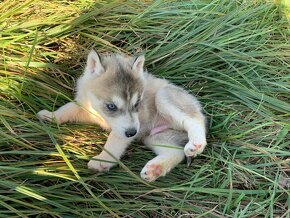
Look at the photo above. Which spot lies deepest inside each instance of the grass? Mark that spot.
(233, 55)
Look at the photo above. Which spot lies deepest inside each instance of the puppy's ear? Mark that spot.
(94, 66)
(138, 65)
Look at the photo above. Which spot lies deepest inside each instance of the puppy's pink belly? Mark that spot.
(158, 129)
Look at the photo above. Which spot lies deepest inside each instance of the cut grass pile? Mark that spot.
(233, 55)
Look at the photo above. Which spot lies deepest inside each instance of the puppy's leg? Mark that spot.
(69, 112)
(168, 147)
(184, 111)
(113, 150)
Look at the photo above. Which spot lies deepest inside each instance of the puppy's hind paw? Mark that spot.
(195, 148)
(152, 171)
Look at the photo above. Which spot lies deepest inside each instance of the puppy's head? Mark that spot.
(115, 90)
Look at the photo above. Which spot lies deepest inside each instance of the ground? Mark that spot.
(234, 56)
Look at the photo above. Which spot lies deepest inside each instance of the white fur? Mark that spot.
(163, 105)
(111, 154)
(118, 101)
(195, 128)
(134, 99)
(138, 66)
(120, 124)
(94, 66)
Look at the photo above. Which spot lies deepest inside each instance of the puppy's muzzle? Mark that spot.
(130, 132)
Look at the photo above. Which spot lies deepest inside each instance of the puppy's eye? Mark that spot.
(136, 106)
(111, 107)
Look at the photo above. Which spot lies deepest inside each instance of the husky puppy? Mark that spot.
(116, 93)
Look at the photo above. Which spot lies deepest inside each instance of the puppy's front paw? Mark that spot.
(196, 147)
(102, 164)
(152, 171)
(45, 115)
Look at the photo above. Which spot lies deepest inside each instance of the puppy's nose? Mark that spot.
(130, 132)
